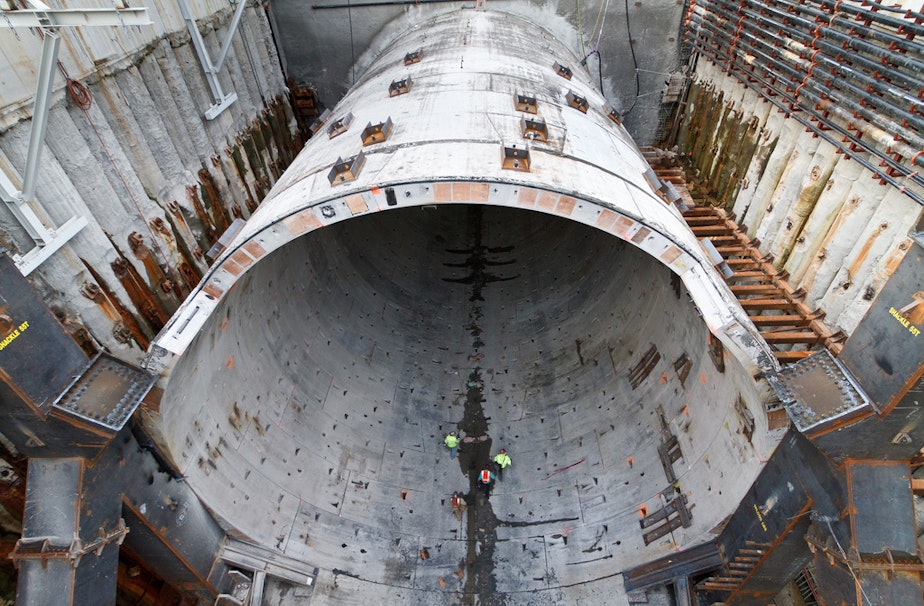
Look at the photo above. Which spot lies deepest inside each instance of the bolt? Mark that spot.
(92, 291)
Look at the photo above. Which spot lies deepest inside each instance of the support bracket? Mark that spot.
(47, 240)
(19, 200)
(73, 17)
(222, 101)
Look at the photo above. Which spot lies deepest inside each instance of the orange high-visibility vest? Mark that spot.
(485, 476)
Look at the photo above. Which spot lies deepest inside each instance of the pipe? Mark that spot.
(811, 34)
(748, 81)
(798, 79)
(881, 137)
(835, 51)
(916, 29)
(824, 30)
(858, 93)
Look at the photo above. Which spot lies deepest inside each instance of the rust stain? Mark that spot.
(143, 299)
(237, 161)
(211, 232)
(156, 275)
(190, 275)
(230, 362)
(846, 210)
(212, 200)
(894, 259)
(125, 325)
(860, 259)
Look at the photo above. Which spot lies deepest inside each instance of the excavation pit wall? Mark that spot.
(129, 149)
(309, 412)
(825, 218)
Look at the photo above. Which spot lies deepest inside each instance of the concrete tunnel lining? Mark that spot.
(320, 390)
(319, 363)
(449, 131)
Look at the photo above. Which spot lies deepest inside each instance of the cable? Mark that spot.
(634, 62)
(352, 49)
(605, 6)
(131, 195)
(577, 3)
(600, 13)
(847, 563)
(600, 70)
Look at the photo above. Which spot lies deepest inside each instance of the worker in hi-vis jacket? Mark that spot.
(452, 442)
(501, 461)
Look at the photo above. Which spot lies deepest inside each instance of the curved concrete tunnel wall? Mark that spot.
(331, 355)
(320, 391)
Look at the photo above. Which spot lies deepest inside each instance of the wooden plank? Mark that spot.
(767, 304)
(791, 337)
(780, 320)
(711, 230)
(755, 289)
(791, 356)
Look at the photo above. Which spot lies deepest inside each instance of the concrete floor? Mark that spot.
(309, 413)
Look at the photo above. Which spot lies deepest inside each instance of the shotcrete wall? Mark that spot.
(129, 149)
(824, 217)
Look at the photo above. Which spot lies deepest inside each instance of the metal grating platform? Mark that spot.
(107, 393)
(817, 392)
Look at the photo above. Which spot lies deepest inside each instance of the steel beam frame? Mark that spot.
(48, 240)
(51, 42)
(53, 17)
(222, 101)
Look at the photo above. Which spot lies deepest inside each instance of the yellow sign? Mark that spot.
(897, 314)
(13, 335)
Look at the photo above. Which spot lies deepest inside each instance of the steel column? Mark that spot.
(50, 44)
(222, 101)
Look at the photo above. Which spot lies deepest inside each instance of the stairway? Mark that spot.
(787, 324)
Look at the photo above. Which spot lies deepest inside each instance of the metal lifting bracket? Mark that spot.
(222, 100)
(20, 201)
(51, 548)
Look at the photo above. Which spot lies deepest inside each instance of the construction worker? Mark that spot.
(458, 504)
(501, 461)
(486, 481)
(452, 441)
